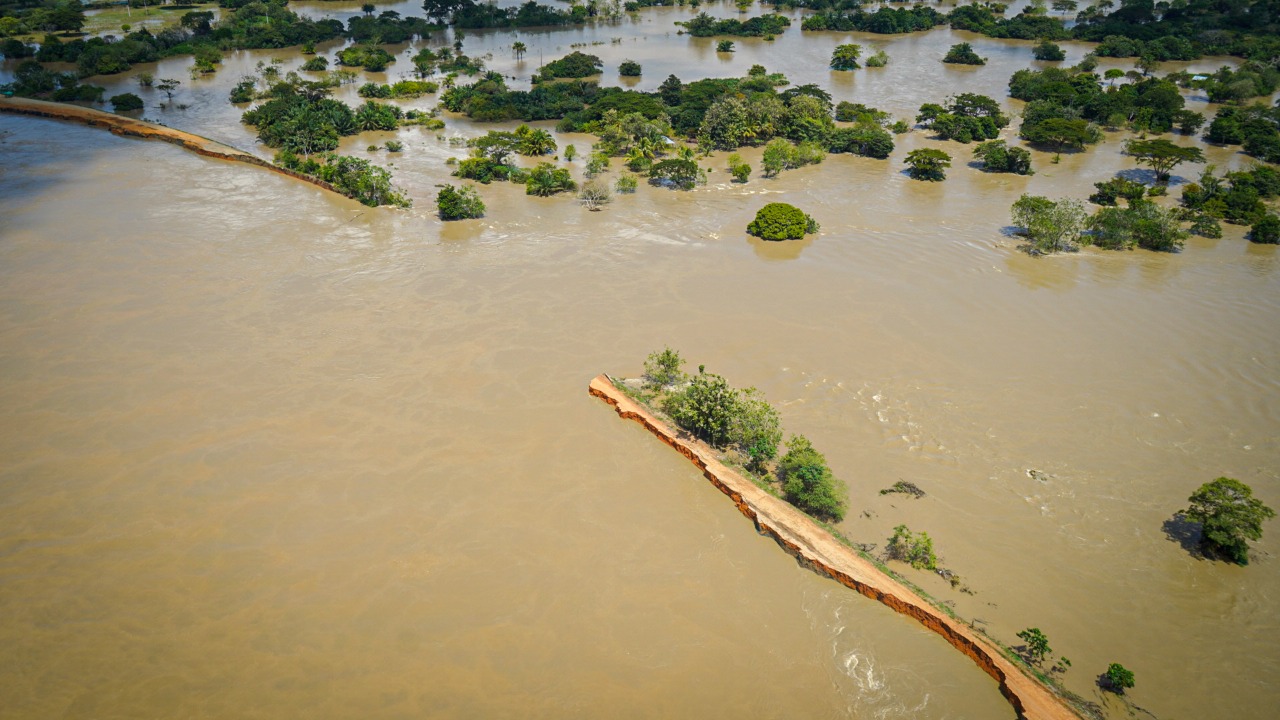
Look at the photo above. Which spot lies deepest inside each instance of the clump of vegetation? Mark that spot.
(915, 550)
(738, 169)
(1235, 197)
(963, 54)
(394, 146)
(878, 60)
(1109, 191)
(316, 64)
(1117, 678)
(905, 488)
(885, 20)
(1266, 230)
(998, 157)
(459, 203)
(703, 25)
(573, 65)
(780, 221)
(928, 164)
(626, 184)
(845, 57)
(809, 483)
(1048, 50)
(1229, 516)
(546, 180)
(664, 369)
(629, 68)
(353, 177)
(676, 173)
(966, 117)
(1049, 226)
(724, 46)
(369, 57)
(126, 102)
(401, 89)
(782, 154)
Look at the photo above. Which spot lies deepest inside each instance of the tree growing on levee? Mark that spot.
(1037, 644)
(664, 368)
(1229, 515)
(780, 221)
(809, 483)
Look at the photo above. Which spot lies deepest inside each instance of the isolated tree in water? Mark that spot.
(1230, 516)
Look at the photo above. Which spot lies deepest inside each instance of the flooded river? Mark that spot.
(267, 453)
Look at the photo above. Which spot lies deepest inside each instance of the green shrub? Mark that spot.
(546, 180)
(1266, 230)
(916, 550)
(808, 482)
(1118, 678)
(126, 102)
(963, 54)
(626, 184)
(629, 68)
(780, 221)
(664, 368)
(462, 203)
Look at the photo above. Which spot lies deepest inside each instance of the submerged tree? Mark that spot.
(928, 164)
(1162, 156)
(1230, 516)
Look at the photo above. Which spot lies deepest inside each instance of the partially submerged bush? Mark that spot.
(780, 221)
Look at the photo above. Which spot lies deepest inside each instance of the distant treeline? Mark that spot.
(1183, 30)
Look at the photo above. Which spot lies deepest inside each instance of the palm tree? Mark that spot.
(518, 48)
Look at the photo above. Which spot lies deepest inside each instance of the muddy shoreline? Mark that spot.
(130, 127)
(816, 548)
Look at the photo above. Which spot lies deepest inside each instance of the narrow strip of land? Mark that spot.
(817, 548)
(130, 127)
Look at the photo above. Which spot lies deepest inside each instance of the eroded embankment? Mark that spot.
(815, 547)
(129, 127)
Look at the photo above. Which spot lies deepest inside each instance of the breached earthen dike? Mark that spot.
(816, 548)
(129, 127)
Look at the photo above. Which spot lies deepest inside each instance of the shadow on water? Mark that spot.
(1148, 177)
(1186, 532)
(776, 250)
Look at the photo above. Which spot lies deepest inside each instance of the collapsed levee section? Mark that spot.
(817, 549)
(129, 127)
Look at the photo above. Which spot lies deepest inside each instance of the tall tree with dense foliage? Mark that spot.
(1229, 515)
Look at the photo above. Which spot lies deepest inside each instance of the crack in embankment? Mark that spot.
(814, 547)
(129, 127)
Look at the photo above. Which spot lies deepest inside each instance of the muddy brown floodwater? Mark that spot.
(265, 452)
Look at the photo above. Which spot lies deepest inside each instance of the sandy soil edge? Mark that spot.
(813, 546)
(129, 127)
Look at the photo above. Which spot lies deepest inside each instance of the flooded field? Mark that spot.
(265, 452)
